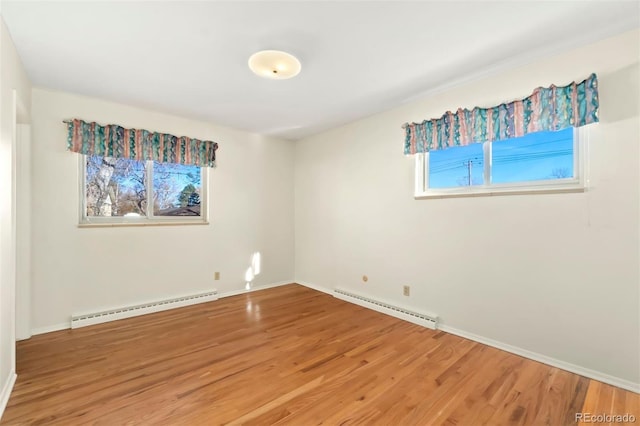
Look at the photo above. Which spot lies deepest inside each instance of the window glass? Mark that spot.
(538, 156)
(176, 190)
(115, 187)
(454, 167)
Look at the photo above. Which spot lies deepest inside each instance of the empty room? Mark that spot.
(319, 212)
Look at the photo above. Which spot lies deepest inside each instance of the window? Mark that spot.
(123, 191)
(538, 162)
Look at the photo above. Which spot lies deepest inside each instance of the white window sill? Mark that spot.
(497, 191)
(140, 223)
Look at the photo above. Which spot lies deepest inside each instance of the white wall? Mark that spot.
(78, 270)
(14, 107)
(553, 274)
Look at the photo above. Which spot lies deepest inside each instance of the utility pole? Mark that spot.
(469, 165)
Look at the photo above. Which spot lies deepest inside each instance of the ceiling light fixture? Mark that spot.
(274, 64)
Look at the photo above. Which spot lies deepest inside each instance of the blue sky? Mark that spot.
(531, 157)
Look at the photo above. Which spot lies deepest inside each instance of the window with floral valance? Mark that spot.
(528, 121)
(135, 176)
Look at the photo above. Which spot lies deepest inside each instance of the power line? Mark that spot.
(501, 159)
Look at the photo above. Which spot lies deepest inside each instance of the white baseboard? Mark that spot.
(553, 362)
(145, 308)
(50, 328)
(67, 325)
(315, 287)
(20, 338)
(252, 289)
(393, 309)
(6, 391)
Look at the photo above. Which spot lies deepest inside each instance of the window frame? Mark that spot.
(578, 183)
(150, 218)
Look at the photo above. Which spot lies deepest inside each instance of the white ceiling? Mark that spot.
(358, 58)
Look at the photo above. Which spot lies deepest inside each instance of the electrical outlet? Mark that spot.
(216, 276)
(406, 290)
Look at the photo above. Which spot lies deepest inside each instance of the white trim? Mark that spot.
(129, 311)
(421, 176)
(23, 233)
(67, 325)
(50, 328)
(10, 295)
(487, 153)
(393, 309)
(486, 192)
(256, 288)
(582, 371)
(406, 316)
(143, 222)
(315, 287)
(6, 391)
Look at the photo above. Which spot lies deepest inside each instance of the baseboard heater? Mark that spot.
(143, 309)
(426, 320)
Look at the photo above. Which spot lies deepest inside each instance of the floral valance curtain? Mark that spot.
(547, 109)
(115, 141)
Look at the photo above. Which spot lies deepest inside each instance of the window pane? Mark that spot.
(115, 187)
(459, 166)
(176, 190)
(538, 156)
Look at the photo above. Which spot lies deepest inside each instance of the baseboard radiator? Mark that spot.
(426, 320)
(143, 309)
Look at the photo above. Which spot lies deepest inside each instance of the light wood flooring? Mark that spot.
(289, 355)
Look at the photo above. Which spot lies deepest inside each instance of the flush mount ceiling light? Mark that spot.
(274, 64)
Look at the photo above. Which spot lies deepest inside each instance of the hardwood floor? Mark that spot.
(289, 355)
